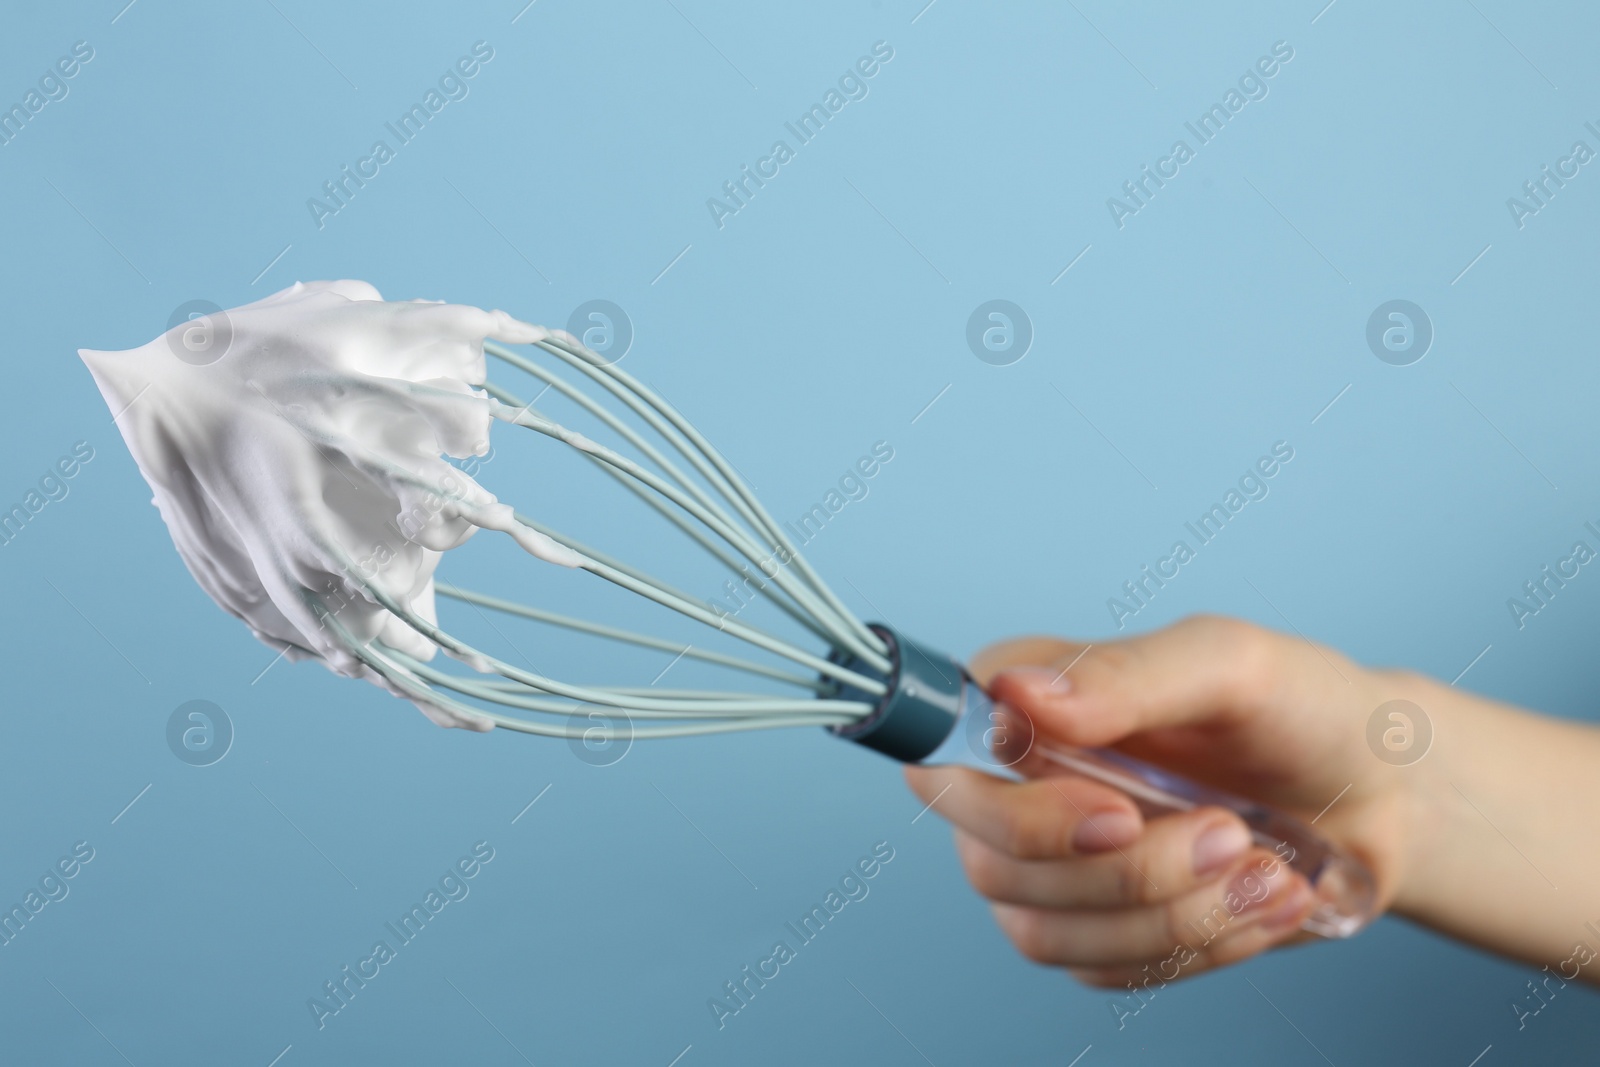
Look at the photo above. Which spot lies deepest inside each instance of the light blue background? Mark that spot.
(1212, 325)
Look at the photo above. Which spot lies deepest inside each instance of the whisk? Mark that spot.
(869, 683)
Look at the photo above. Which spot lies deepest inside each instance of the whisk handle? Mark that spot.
(1343, 886)
(936, 714)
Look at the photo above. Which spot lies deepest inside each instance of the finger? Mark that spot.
(1187, 959)
(1202, 669)
(1253, 894)
(1021, 652)
(1174, 855)
(1046, 819)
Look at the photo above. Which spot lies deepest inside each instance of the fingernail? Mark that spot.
(1290, 911)
(1048, 678)
(1219, 846)
(1106, 830)
(1257, 888)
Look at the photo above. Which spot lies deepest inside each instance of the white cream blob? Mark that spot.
(308, 460)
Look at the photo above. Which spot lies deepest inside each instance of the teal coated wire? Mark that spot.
(717, 522)
(704, 509)
(511, 607)
(642, 585)
(665, 420)
(670, 514)
(740, 494)
(394, 673)
(724, 706)
(594, 696)
(837, 624)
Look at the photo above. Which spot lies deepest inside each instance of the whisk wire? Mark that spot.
(628, 577)
(385, 662)
(587, 694)
(720, 706)
(826, 627)
(568, 622)
(847, 630)
(740, 494)
(689, 529)
(714, 519)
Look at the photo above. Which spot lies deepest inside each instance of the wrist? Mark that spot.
(1486, 833)
(1429, 810)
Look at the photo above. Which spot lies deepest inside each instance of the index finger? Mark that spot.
(1032, 651)
(1042, 819)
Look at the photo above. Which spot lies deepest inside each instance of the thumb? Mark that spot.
(1032, 651)
(1201, 670)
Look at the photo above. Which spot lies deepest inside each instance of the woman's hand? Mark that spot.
(1078, 879)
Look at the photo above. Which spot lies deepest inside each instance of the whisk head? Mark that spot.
(315, 472)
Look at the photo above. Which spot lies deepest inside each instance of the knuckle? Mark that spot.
(1098, 979)
(1030, 833)
(1236, 949)
(1028, 931)
(1129, 886)
(983, 869)
(1252, 657)
(1177, 922)
(1113, 657)
(1205, 624)
(1222, 632)
(1135, 887)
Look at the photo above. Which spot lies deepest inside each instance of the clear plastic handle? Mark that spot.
(1343, 886)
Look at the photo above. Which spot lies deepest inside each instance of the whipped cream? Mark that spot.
(296, 448)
